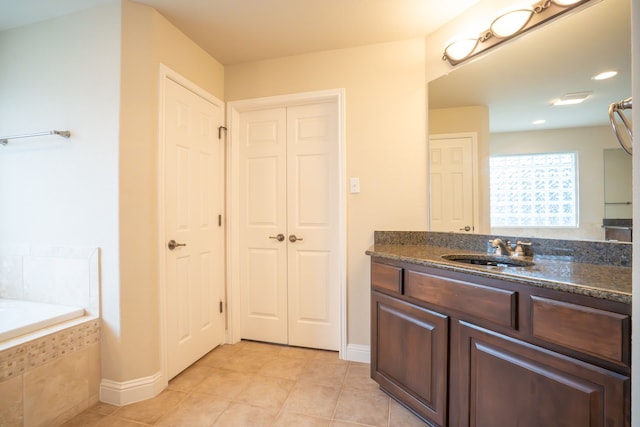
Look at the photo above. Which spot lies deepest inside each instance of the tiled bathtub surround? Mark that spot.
(51, 274)
(50, 375)
(582, 251)
(48, 380)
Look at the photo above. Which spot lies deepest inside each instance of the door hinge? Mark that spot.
(221, 306)
(220, 220)
(220, 129)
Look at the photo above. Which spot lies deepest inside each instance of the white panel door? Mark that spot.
(312, 217)
(451, 178)
(194, 193)
(289, 274)
(263, 216)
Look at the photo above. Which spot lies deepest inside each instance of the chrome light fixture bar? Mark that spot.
(507, 26)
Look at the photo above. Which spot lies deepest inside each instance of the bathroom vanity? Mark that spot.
(493, 345)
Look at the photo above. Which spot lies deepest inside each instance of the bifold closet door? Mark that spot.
(263, 224)
(289, 219)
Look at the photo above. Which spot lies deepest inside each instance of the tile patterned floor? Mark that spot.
(252, 384)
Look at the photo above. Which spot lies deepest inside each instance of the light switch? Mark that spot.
(354, 185)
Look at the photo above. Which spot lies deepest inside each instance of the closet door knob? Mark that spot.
(294, 239)
(279, 237)
(173, 244)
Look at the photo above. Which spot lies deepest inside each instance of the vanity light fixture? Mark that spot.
(506, 26)
(572, 98)
(509, 23)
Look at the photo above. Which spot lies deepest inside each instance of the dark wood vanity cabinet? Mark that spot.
(465, 350)
(505, 381)
(411, 355)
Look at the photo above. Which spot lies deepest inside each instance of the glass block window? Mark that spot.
(534, 190)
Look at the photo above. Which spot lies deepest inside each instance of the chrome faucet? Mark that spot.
(502, 248)
(506, 248)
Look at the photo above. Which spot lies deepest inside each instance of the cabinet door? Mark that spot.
(503, 381)
(409, 355)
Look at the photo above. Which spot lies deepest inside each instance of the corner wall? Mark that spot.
(133, 353)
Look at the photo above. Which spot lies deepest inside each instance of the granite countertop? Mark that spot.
(604, 281)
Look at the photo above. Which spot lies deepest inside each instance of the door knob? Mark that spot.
(294, 239)
(173, 244)
(466, 228)
(279, 237)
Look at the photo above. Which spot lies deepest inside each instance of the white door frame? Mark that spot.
(234, 109)
(167, 73)
(475, 173)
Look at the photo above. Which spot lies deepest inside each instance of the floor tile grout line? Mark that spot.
(344, 379)
(282, 405)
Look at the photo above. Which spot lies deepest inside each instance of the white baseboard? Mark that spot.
(358, 353)
(124, 393)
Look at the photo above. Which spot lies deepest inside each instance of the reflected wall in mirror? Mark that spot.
(617, 184)
(517, 84)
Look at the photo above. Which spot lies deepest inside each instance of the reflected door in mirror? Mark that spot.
(452, 177)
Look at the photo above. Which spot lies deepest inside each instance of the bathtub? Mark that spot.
(19, 317)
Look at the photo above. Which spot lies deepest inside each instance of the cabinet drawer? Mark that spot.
(386, 277)
(597, 332)
(497, 306)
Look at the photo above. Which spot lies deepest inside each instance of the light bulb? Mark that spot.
(565, 2)
(510, 23)
(460, 49)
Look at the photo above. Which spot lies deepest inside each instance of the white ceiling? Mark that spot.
(234, 31)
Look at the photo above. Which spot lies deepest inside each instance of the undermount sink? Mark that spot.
(489, 260)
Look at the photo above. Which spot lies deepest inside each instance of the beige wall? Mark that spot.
(148, 39)
(385, 139)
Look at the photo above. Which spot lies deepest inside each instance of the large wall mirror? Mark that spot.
(515, 85)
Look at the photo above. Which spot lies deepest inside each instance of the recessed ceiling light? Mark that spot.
(605, 75)
(572, 98)
(539, 122)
